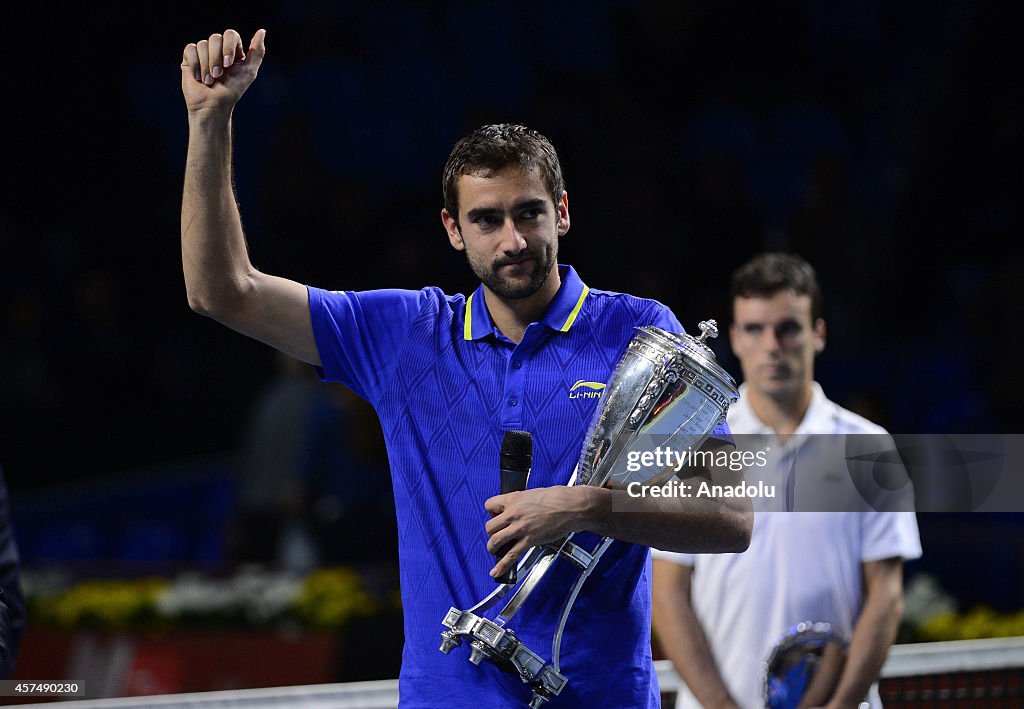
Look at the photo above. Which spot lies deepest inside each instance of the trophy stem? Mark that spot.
(556, 642)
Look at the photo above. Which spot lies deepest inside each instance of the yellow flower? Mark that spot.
(104, 604)
(332, 596)
(980, 622)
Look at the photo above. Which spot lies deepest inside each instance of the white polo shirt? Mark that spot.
(801, 566)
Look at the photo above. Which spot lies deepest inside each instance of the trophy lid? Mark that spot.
(695, 348)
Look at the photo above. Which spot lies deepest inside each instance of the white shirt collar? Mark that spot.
(819, 414)
(817, 418)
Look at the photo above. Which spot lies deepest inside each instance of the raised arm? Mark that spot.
(220, 280)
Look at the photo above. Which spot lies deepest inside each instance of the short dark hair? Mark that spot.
(491, 148)
(768, 273)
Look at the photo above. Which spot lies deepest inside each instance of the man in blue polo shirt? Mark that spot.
(447, 376)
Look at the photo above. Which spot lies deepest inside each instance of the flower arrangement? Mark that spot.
(931, 615)
(979, 622)
(329, 599)
(109, 604)
(324, 600)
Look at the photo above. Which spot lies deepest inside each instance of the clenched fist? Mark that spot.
(215, 72)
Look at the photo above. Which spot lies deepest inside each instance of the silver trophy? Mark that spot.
(666, 390)
(803, 668)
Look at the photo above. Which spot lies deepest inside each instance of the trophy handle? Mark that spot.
(546, 557)
(556, 642)
(525, 564)
(526, 588)
(575, 554)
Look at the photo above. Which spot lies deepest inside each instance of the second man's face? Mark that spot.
(509, 229)
(776, 341)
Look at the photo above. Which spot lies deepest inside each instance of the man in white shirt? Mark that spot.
(717, 617)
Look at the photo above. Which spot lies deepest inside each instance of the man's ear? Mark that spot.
(563, 214)
(819, 336)
(451, 225)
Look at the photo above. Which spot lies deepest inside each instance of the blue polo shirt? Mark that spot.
(446, 384)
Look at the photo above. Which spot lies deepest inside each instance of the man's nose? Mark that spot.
(512, 240)
(770, 339)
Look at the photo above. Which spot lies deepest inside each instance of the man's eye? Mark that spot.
(752, 329)
(788, 329)
(529, 214)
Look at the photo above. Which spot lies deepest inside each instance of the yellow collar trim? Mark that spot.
(575, 311)
(467, 326)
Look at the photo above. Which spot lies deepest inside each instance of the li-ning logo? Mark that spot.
(579, 390)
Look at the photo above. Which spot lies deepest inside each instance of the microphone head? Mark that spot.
(516, 450)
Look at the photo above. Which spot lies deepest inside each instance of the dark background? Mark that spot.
(880, 140)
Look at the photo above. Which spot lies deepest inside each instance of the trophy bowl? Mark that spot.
(667, 390)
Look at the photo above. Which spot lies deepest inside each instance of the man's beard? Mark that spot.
(519, 287)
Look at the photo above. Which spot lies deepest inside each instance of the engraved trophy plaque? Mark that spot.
(666, 390)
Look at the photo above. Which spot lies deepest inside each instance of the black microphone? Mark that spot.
(516, 456)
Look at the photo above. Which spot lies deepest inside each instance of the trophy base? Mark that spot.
(488, 640)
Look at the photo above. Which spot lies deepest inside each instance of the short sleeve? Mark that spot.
(676, 557)
(889, 534)
(359, 335)
(666, 320)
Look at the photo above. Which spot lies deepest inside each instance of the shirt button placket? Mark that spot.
(514, 387)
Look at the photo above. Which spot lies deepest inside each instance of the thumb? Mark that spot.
(257, 49)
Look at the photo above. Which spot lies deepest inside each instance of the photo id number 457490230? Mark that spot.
(38, 688)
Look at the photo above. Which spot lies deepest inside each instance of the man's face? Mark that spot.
(509, 229)
(775, 341)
